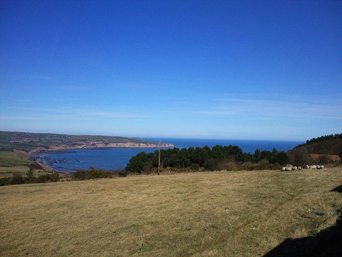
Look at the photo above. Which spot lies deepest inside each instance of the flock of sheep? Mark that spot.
(311, 167)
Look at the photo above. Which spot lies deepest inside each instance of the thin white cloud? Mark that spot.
(20, 118)
(270, 108)
(113, 114)
(65, 113)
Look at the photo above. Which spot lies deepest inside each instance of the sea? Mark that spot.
(68, 161)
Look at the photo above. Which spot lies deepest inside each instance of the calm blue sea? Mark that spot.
(117, 158)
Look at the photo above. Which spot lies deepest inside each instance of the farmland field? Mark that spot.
(11, 162)
(192, 214)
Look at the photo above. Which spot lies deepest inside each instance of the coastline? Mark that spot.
(62, 148)
(69, 161)
(115, 158)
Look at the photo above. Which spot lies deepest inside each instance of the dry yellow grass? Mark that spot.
(194, 214)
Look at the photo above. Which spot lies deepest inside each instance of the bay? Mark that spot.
(117, 158)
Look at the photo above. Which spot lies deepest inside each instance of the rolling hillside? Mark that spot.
(31, 142)
(323, 145)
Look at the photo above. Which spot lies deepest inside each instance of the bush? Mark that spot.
(147, 168)
(54, 177)
(29, 176)
(17, 179)
(195, 167)
(92, 174)
(230, 166)
(263, 165)
(5, 181)
(247, 166)
(123, 173)
(80, 175)
(210, 165)
(276, 166)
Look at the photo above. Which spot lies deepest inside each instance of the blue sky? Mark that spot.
(263, 70)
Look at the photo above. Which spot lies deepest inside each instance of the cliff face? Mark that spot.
(101, 145)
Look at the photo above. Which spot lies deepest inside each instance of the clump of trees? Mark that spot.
(321, 139)
(92, 173)
(17, 178)
(206, 159)
(324, 145)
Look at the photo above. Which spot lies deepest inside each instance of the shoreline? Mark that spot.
(57, 163)
(40, 150)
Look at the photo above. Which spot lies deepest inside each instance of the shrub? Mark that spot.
(228, 165)
(263, 165)
(5, 181)
(29, 176)
(246, 166)
(195, 167)
(276, 166)
(147, 168)
(80, 174)
(54, 177)
(123, 173)
(92, 174)
(210, 165)
(17, 179)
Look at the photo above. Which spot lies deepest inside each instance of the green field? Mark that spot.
(11, 159)
(191, 214)
(8, 172)
(11, 162)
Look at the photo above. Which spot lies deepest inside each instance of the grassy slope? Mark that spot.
(195, 214)
(10, 159)
(11, 162)
(326, 147)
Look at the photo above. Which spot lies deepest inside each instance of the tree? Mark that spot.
(30, 176)
(256, 156)
(211, 165)
(282, 158)
(199, 156)
(139, 163)
(265, 155)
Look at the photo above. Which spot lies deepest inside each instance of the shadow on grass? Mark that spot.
(326, 243)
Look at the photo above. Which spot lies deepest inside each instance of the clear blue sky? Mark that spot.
(264, 70)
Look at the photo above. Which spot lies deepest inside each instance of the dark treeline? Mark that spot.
(321, 139)
(216, 158)
(17, 179)
(93, 173)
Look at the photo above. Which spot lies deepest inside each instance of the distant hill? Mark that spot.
(36, 142)
(331, 144)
